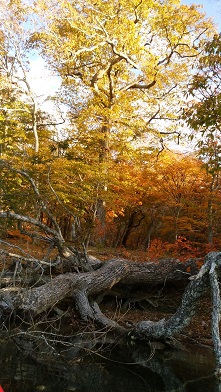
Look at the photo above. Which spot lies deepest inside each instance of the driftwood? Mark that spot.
(85, 287)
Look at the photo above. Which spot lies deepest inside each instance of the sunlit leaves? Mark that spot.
(204, 113)
(124, 66)
(119, 60)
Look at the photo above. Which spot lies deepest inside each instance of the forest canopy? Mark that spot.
(103, 161)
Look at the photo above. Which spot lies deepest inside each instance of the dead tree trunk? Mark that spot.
(198, 286)
(85, 287)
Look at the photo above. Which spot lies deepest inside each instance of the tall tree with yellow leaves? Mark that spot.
(124, 65)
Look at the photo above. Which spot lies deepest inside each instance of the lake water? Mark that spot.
(108, 368)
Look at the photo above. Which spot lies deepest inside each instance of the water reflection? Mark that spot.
(108, 369)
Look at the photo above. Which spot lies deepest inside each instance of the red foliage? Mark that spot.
(181, 249)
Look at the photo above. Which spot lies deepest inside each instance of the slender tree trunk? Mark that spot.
(134, 221)
(210, 221)
(103, 186)
(129, 228)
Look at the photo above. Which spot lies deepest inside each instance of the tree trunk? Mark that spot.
(210, 221)
(134, 221)
(90, 284)
(84, 288)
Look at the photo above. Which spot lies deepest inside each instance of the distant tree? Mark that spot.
(204, 117)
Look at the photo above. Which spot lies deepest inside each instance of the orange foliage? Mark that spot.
(16, 234)
(181, 249)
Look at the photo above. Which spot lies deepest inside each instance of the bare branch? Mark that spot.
(35, 188)
(85, 49)
(30, 259)
(100, 74)
(35, 222)
(137, 85)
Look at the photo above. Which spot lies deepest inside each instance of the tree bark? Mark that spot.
(85, 287)
(91, 284)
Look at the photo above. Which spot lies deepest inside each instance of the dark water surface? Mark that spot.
(108, 369)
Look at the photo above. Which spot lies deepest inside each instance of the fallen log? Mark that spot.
(84, 287)
(90, 284)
